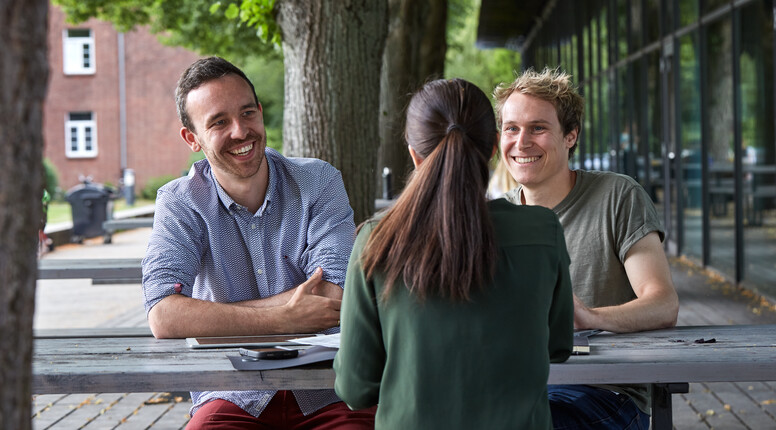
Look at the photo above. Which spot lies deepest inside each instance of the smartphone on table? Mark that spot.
(269, 353)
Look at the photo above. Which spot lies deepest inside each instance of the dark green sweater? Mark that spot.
(481, 364)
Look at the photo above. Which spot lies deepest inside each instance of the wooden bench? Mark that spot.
(112, 225)
(92, 333)
(100, 271)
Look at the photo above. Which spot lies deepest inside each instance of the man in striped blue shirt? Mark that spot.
(249, 242)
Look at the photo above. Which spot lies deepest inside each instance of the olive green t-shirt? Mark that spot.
(603, 216)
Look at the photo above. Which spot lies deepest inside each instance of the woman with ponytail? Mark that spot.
(454, 306)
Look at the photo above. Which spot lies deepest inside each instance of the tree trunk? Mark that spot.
(23, 80)
(333, 54)
(414, 54)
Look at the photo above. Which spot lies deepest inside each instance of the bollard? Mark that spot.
(129, 186)
(387, 193)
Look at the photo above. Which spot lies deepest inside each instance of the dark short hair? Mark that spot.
(198, 73)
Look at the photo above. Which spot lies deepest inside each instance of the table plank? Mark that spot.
(138, 364)
(87, 365)
(739, 353)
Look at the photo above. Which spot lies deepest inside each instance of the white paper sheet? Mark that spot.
(329, 340)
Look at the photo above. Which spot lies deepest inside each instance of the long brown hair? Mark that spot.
(438, 235)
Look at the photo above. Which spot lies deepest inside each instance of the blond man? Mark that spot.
(619, 272)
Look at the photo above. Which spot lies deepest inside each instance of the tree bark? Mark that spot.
(333, 54)
(414, 54)
(23, 81)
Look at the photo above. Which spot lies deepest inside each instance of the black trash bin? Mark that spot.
(91, 205)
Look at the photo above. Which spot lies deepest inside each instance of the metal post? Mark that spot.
(387, 192)
(129, 186)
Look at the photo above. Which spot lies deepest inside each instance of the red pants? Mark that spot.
(282, 412)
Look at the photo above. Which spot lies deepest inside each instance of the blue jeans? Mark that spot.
(584, 407)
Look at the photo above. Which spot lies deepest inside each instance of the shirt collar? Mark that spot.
(229, 202)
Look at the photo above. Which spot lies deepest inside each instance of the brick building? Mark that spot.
(110, 103)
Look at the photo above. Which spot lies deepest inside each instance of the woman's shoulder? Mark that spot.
(520, 224)
(502, 206)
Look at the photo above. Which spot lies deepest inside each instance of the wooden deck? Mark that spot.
(705, 299)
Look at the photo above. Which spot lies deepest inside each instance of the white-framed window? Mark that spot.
(80, 135)
(78, 44)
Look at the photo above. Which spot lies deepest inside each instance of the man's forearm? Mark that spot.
(325, 289)
(641, 314)
(269, 302)
(299, 310)
(179, 316)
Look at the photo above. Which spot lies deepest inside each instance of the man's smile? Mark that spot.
(526, 160)
(242, 150)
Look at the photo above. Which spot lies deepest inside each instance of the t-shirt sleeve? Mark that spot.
(636, 218)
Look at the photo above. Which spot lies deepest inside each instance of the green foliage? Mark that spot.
(189, 24)
(52, 178)
(125, 14)
(153, 185)
(484, 68)
(193, 158)
(267, 75)
(256, 14)
(45, 202)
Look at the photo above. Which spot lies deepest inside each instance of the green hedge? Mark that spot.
(52, 178)
(153, 185)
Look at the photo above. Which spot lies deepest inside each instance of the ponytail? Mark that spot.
(438, 236)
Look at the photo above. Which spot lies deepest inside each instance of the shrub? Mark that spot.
(52, 178)
(153, 185)
(193, 158)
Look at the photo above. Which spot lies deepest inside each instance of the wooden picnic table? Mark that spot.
(667, 359)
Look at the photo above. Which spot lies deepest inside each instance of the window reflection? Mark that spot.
(690, 144)
(719, 142)
(757, 137)
(653, 20)
(688, 12)
(627, 157)
(622, 28)
(654, 130)
(712, 5)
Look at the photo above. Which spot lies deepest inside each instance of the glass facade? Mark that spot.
(689, 141)
(680, 95)
(758, 158)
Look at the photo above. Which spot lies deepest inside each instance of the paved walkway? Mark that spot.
(705, 300)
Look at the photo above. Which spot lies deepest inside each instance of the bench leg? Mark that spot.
(662, 408)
